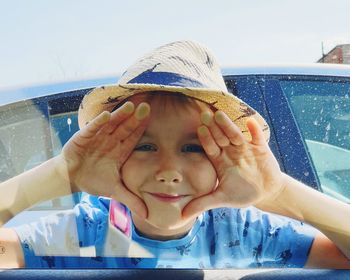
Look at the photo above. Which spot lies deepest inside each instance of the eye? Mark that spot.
(145, 148)
(192, 148)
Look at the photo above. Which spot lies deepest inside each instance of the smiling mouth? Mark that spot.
(167, 197)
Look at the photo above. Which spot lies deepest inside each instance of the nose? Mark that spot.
(169, 167)
(169, 176)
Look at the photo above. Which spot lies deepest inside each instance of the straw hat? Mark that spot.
(183, 67)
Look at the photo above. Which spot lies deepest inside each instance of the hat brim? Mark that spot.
(107, 97)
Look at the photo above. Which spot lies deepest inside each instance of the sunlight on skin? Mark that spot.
(223, 149)
(174, 176)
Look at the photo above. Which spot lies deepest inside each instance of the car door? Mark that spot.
(31, 132)
(264, 94)
(311, 120)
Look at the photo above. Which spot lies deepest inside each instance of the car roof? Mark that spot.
(318, 69)
(27, 92)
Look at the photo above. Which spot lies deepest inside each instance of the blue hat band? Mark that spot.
(166, 79)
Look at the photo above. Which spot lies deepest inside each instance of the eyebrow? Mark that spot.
(189, 136)
(192, 135)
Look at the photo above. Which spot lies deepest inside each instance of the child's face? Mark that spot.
(168, 167)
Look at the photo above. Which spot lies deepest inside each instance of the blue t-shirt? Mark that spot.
(220, 238)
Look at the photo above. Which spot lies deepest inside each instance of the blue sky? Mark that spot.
(46, 41)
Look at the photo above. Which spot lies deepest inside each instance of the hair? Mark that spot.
(173, 99)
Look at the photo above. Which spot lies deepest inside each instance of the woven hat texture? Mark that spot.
(183, 67)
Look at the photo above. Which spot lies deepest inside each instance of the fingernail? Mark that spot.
(103, 117)
(203, 130)
(219, 117)
(128, 107)
(206, 118)
(142, 111)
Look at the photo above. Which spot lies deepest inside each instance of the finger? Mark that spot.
(118, 116)
(197, 206)
(219, 137)
(128, 145)
(208, 143)
(132, 201)
(94, 126)
(230, 129)
(256, 132)
(127, 127)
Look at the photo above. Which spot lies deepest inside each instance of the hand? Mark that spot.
(94, 155)
(248, 173)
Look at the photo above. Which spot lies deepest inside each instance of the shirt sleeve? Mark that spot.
(54, 235)
(275, 240)
(62, 237)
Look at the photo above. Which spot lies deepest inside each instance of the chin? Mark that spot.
(165, 222)
(168, 222)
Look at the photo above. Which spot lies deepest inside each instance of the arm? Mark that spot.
(89, 161)
(11, 255)
(249, 175)
(328, 215)
(324, 253)
(21, 192)
(41, 183)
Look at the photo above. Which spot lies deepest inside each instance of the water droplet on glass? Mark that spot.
(69, 122)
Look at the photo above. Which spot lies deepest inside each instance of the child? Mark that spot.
(193, 175)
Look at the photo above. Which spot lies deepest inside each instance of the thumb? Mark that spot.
(132, 201)
(197, 206)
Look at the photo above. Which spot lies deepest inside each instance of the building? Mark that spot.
(340, 54)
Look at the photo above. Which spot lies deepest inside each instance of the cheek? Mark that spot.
(128, 174)
(203, 177)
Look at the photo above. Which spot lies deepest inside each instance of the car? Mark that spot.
(308, 109)
(306, 106)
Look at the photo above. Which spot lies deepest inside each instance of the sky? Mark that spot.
(47, 41)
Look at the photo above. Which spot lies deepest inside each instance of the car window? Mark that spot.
(62, 127)
(30, 134)
(40, 127)
(322, 111)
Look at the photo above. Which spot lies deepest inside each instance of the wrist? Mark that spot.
(272, 200)
(61, 166)
(285, 202)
